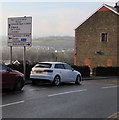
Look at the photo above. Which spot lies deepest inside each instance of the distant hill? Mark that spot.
(56, 42)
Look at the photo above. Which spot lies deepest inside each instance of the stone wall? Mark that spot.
(89, 50)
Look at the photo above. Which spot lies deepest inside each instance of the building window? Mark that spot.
(104, 37)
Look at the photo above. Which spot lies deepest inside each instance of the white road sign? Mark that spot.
(19, 31)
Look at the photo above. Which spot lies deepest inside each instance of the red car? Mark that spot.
(11, 78)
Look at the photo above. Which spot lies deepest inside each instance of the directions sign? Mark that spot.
(19, 31)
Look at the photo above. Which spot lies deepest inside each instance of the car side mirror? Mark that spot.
(72, 69)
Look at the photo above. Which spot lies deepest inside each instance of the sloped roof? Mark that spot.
(113, 9)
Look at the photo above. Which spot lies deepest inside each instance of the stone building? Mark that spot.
(97, 39)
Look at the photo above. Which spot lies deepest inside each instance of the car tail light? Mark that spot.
(49, 71)
(32, 71)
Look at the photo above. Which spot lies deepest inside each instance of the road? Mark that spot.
(92, 99)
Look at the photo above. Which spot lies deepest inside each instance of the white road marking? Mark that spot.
(14, 103)
(108, 87)
(110, 84)
(66, 92)
(37, 89)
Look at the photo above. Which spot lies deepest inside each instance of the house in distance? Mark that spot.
(97, 38)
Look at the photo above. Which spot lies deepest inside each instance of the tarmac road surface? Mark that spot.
(92, 99)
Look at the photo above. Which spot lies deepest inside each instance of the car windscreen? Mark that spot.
(43, 65)
(0, 67)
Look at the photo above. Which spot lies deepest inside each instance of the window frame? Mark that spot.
(104, 37)
(68, 67)
(59, 67)
(43, 65)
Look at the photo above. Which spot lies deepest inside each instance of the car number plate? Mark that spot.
(39, 72)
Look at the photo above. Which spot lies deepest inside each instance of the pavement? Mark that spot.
(99, 77)
(28, 81)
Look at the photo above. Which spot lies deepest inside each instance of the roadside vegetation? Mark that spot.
(38, 55)
(51, 49)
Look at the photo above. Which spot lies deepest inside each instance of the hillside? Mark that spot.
(57, 42)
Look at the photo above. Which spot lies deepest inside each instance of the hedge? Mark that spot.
(106, 71)
(84, 70)
(20, 68)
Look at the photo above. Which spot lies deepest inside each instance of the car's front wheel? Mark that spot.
(78, 80)
(19, 84)
(56, 80)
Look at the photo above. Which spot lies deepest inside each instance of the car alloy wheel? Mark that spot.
(57, 80)
(78, 80)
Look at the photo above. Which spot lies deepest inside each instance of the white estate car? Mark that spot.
(54, 72)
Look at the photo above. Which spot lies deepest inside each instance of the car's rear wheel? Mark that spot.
(56, 80)
(34, 82)
(19, 84)
(78, 80)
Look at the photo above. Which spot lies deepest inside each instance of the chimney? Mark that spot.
(117, 6)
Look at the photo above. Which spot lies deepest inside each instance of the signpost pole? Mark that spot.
(19, 34)
(10, 54)
(24, 60)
